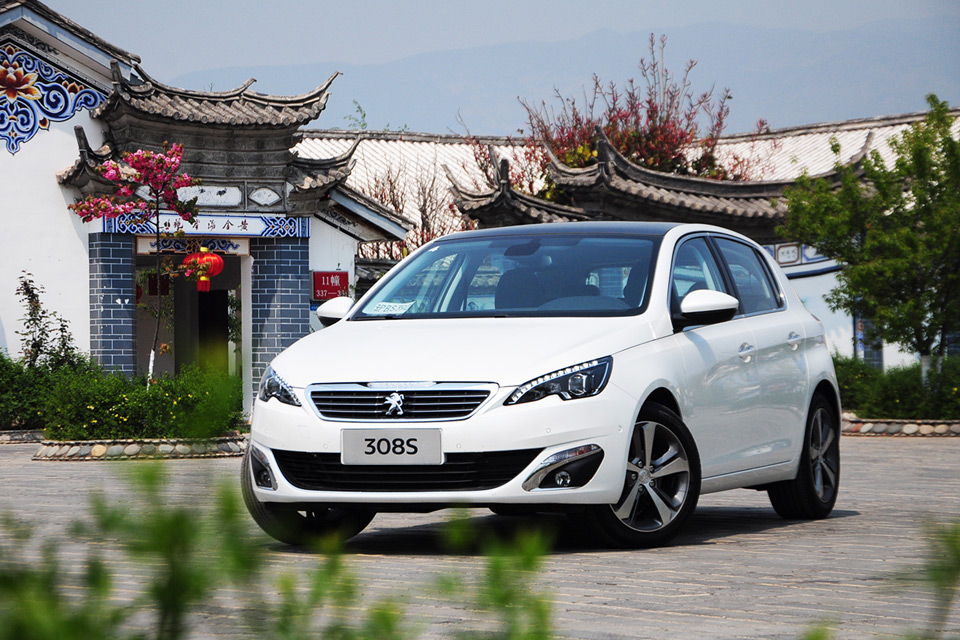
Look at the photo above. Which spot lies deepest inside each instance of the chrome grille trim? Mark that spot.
(423, 402)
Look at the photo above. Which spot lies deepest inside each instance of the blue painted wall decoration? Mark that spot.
(34, 94)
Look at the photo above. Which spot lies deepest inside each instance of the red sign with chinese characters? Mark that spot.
(330, 284)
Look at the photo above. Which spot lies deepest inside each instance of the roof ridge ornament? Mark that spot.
(605, 154)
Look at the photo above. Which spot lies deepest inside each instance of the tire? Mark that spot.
(661, 483)
(303, 527)
(813, 493)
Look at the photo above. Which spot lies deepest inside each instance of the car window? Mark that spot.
(694, 268)
(522, 275)
(755, 287)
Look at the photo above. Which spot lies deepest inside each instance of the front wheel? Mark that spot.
(812, 494)
(661, 484)
(298, 525)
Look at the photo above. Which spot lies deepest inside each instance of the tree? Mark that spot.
(658, 123)
(146, 182)
(895, 232)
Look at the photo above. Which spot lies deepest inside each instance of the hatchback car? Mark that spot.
(616, 371)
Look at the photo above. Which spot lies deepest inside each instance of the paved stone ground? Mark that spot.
(737, 572)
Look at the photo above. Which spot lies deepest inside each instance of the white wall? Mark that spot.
(330, 250)
(839, 325)
(40, 235)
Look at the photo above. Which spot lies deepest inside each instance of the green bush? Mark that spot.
(857, 381)
(899, 392)
(25, 390)
(95, 405)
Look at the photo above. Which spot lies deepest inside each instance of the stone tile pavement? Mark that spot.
(737, 572)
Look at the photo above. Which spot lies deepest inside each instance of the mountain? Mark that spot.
(788, 77)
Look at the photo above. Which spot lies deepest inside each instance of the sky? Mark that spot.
(293, 45)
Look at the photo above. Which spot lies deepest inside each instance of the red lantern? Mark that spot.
(196, 261)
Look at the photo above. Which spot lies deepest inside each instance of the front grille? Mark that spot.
(359, 403)
(461, 472)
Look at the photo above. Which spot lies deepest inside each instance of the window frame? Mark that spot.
(772, 281)
(722, 268)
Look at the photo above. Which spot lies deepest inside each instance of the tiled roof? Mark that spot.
(72, 27)
(238, 107)
(408, 156)
(783, 154)
(650, 191)
(505, 206)
(322, 173)
(776, 159)
(82, 172)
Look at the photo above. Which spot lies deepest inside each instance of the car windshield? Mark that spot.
(520, 275)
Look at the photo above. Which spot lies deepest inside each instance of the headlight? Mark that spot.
(579, 381)
(273, 386)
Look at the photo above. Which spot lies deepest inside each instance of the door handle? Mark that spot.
(747, 351)
(794, 340)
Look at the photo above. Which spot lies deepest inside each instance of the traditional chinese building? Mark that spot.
(617, 189)
(284, 204)
(72, 101)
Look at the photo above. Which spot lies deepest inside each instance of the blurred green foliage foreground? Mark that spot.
(191, 556)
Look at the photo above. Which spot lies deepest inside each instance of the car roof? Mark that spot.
(571, 228)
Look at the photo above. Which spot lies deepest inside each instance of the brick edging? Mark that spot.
(133, 449)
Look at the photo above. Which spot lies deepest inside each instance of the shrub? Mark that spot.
(24, 391)
(857, 381)
(899, 392)
(94, 405)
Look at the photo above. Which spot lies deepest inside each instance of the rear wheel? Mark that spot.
(661, 485)
(812, 494)
(299, 525)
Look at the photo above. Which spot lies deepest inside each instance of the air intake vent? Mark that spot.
(461, 472)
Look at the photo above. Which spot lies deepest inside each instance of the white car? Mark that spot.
(613, 370)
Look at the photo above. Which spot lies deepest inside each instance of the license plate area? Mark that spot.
(390, 447)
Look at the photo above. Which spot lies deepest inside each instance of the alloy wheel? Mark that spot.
(824, 455)
(657, 481)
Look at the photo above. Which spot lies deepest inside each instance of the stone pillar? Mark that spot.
(113, 302)
(280, 298)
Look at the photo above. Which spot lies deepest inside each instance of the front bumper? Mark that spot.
(549, 426)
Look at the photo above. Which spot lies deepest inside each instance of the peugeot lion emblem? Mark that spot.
(395, 400)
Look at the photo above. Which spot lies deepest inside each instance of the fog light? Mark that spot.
(566, 470)
(260, 468)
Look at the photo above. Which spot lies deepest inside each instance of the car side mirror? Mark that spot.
(332, 311)
(705, 306)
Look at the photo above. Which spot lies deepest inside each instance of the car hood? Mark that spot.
(507, 351)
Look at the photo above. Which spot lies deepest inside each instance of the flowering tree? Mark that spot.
(146, 183)
(659, 123)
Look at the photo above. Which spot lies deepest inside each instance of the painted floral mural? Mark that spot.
(34, 95)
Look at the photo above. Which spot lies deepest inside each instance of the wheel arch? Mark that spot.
(829, 392)
(663, 396)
